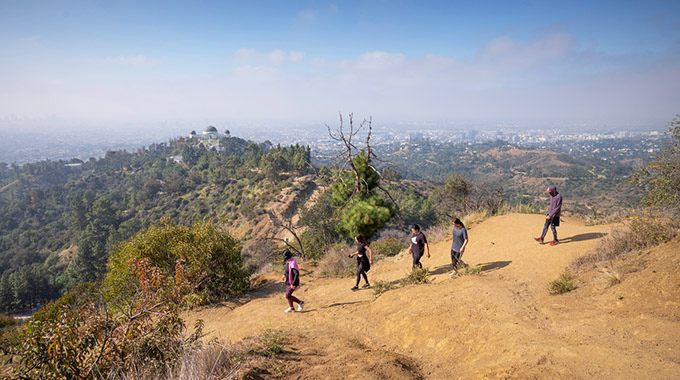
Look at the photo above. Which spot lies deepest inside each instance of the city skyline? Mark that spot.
(130, 65)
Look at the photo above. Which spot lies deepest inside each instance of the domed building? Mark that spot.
(210, 133)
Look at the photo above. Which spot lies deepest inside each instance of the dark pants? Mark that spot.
(361, 271)
(549, 222)
(416, 260)
(456, 260)
(290, 297)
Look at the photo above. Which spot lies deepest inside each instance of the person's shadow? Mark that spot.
(583, 237)
(486, 267)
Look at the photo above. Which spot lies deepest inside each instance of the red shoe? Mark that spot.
(539, 239)
(554, 242)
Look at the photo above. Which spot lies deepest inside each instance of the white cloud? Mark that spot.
(547, 80)
(308, 15)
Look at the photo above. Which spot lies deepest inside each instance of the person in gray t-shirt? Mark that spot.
(458, 244)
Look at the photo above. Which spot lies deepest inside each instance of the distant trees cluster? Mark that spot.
(61, 222)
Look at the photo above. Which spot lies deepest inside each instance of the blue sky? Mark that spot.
(517, 63)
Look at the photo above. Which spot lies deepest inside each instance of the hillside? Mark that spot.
(500, 324)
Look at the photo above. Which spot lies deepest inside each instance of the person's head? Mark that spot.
(360, 239)
(458, 223)
(286, 255)
(415, 228)
(552, 190)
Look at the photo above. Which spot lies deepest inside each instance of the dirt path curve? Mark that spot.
(500, 324)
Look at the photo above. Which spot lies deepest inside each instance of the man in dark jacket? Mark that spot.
(553, 217)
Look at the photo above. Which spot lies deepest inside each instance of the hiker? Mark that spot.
(552, 219)
(418, 246)
(363, 261)
(458, 244)
(291, 275)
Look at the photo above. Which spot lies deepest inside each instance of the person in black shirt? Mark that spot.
(418, 246)
(363, 261)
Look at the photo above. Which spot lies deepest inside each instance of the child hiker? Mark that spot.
(363, 261)
(291, 275)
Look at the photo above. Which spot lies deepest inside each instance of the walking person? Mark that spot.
(458, 244)
(363, 261)
(418, 246)
(291, 275)
(552, 219)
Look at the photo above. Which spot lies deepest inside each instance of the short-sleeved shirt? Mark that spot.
(418, 242)
(459, 237)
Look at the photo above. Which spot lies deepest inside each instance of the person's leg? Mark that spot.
(554, 231)
(416, 261)
(454, 260)
(363, 272)
(289, 296)
(545, 228)
(360, 270)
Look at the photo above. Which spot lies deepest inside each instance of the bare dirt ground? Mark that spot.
(501, 324)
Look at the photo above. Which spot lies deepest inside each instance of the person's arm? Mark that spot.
(296, 276)
(370, 254)
(465, 241)
(427, 248)
(353, 254)
(462, 247)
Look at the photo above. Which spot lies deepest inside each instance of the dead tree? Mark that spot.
(344, 159)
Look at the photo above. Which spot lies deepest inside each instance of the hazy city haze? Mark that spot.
(126, 64)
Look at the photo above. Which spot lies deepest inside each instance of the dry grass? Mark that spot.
(640, 232)
(612, 275)
(216, 360)
(380, 287)
(336, 264)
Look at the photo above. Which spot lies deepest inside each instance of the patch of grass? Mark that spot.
(380, 287)
(562, 285)
(612, 275)
(417, 276)
(640, 232)
(271, 343)
(477, 269)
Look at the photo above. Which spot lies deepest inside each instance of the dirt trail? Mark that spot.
(500, 324)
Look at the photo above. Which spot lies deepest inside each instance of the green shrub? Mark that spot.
(380, 287)
(474, 270)
(562, 285)
(210, 257)
(417, 276)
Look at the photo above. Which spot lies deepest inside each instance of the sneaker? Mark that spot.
(354, 288)
(554, 242)
(300, 305)
(289, 310)
(366, 286)
(453, 273)
(538, 239)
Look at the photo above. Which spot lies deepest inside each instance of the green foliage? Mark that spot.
(50, 208)
(271, 343)
(380, 287)
(361, 210)
(562, 285)
(86, 340)
(661, 178)
(417, 276)
(211, 260)
(474, 270)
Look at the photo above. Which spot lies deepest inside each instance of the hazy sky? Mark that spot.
(107, 64)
